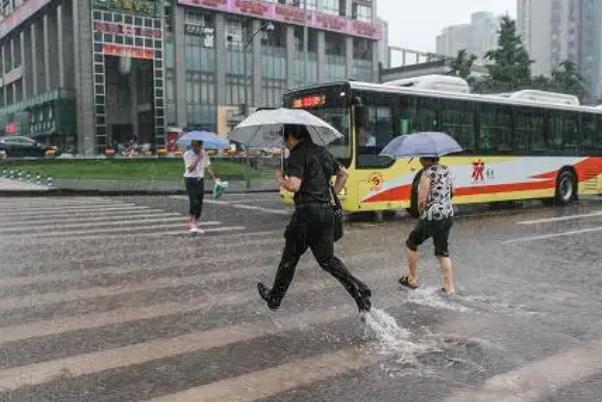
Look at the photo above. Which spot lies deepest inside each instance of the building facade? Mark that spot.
(558, 30)
(477, 37)
(90, 74)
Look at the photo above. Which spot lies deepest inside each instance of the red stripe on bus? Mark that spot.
(506, 188)
(403, 193)
(586, 170)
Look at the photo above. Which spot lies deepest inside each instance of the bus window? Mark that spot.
(495, 136)
(417, 114)
(331, 105)
(597, 145)
(529, 131)
(563, 134)
(456, 118)
(374, 131)
(425, 114)
(588, 134)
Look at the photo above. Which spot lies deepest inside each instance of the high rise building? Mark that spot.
(558, 30)
(88, 74)
(477, 38)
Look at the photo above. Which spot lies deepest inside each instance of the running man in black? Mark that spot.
(308, 174)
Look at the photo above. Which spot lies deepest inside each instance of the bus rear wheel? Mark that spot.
(566, 188)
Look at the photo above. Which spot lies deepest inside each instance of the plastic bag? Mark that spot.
(218, 188)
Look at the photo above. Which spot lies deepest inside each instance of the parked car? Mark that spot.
(18, 146)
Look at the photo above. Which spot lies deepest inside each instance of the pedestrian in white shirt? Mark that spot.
(197, 162)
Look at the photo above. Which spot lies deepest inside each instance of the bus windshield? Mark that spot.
(329, 104)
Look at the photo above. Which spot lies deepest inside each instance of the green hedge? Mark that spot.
(126, 169)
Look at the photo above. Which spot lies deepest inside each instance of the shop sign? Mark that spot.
(128, 51)
(127, 30)
(290, 14)
(197, 30)
(142, 7)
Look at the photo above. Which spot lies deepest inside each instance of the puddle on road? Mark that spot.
(433, 297)
(423, 353)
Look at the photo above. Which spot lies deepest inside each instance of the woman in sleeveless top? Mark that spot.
(435, 192)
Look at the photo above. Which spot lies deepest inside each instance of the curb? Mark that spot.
(58, 192)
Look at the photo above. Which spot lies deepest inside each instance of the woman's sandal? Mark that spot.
(405, 281)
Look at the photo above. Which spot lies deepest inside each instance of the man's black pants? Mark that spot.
(196, 192)
(312, 227)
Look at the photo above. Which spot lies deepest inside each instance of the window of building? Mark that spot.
(237, 85)
(362, 10)
(312, 5)
(200, 100)
(273, 66)
(198, 57)
(336, 61)
(332, 7)
(235, 34)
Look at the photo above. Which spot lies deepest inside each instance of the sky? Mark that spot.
(414, 24)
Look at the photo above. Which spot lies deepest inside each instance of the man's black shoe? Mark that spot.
(364, 304)
(264, 293)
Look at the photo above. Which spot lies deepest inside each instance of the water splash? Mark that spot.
(433, 297)
(392, 339)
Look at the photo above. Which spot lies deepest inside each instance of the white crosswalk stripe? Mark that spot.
(186, 286)
(91, 219)
(43, 220)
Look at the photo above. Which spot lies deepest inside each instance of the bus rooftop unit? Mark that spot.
(443, 83)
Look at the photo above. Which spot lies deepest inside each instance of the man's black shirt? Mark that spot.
(315, 166)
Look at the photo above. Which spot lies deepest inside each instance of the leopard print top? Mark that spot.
(438, 204)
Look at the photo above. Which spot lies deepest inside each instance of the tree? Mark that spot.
(568, 79)
(542, 83)
(461, 66)
(510, 67)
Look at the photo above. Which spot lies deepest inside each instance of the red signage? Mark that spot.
(210, 3)
(271, 10)
(365, 29)
(252, 7)
(11, 128)
(129, 30)
(331, 22)
(309, 102)
(128, 51)
(290, 14)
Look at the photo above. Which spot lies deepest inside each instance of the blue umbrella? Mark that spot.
(210, 140)
(423, 145)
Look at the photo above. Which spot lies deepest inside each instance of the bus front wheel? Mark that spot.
(566, 188)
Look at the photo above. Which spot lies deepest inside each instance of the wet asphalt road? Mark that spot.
(109, 299)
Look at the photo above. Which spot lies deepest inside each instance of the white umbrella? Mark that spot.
(263, 129)
(427, 145)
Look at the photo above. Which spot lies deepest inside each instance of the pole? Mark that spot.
(305, 43)
(246, 107)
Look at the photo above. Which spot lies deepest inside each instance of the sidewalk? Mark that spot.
(7, 185)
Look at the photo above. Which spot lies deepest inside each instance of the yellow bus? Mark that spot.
(525, 145)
